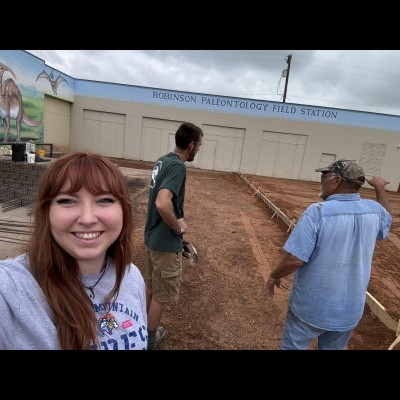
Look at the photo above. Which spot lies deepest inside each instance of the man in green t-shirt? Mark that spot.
(165, 225)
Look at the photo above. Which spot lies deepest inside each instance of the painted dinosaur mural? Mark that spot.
(53, 82)
(11, 106)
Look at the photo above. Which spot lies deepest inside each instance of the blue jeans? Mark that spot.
(297, 335)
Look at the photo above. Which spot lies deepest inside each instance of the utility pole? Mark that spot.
(288, 60)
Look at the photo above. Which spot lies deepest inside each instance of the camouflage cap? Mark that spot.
(347, 169)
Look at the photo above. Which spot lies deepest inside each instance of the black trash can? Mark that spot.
(18, 152)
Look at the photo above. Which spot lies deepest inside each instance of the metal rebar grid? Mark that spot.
(18, 183)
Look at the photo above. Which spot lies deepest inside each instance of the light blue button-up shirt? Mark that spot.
(336, 240)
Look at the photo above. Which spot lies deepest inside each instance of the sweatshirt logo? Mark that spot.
(106, 325)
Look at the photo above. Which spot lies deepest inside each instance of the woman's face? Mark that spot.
(85, 225)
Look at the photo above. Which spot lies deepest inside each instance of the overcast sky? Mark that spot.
(365, 80)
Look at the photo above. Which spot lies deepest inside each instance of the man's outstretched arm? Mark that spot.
(379, 184)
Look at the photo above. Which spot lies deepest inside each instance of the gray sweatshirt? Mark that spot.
(27, 320)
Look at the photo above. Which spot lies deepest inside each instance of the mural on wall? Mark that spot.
(25, 80)
(53, 82)
(12, 106)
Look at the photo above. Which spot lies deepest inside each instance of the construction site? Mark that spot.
(238, 224)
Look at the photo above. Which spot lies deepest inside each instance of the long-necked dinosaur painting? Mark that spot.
(11, 106)
(53, 82)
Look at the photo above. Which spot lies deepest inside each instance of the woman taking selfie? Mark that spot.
(76, 288)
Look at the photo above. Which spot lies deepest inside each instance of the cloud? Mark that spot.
(365, 80)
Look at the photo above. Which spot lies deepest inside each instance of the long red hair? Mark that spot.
(55, 270)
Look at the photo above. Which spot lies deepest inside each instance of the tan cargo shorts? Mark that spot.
(164, 270)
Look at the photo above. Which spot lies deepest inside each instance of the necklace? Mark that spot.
(92, 295)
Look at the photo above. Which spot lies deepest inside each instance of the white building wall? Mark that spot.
(241, 135)
(248, 144)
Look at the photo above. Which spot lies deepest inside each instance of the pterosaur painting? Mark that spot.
(54, 82)
(11, 106)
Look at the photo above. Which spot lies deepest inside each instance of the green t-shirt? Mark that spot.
(169, 172)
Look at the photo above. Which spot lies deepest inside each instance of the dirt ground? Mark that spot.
(223, 304)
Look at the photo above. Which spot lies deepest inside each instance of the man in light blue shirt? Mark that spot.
(330, 252)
